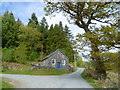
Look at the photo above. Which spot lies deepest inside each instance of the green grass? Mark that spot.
(6, 85)
(40, 72)
(90, 80)
(110, 82)
(24, 69)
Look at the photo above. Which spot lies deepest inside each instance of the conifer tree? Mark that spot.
(43, 29)
(33, 21)
(9, 30)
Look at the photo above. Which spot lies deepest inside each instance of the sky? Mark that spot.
(23, 11)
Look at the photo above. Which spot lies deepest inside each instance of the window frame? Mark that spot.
(63, 62)
(54, 61)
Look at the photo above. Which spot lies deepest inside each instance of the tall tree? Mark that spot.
(0, 31)
(19, 22)
(9, 30)
(105, 38)
(43, 29)
(83, 14)
(68, 33)
(33, 21)
(57, 39)
(29, 39)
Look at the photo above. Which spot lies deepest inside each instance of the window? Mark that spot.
(63, 62)
(53, 61)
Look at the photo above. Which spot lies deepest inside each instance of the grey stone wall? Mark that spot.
(58, 56)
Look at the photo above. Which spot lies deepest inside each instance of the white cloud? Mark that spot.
(60, 17)
(55, 20)
(23, 10)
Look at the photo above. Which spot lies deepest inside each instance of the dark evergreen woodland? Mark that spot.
(35, 41)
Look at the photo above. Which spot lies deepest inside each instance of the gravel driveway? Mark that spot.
(73, 80)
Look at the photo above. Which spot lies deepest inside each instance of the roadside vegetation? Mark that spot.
(111, 80)
(92, 81)
(15, 68)
(4, 83)
(89, 74)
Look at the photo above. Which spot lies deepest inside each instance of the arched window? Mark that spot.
(53, 61)
(63, 62)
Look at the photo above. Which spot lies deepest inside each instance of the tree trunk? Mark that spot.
(99, 64)
(95, 55)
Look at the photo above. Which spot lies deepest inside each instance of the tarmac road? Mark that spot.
(73, 80)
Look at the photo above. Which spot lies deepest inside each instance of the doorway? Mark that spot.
(58, 65)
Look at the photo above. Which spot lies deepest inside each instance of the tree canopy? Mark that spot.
(33, 41)
(85, 15)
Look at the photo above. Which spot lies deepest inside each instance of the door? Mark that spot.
(58, 64)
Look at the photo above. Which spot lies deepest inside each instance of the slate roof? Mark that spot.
(53, 54)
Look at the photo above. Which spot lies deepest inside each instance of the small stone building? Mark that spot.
(57, 60)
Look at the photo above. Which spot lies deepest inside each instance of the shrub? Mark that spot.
(33, 56)
(90, 73)
(7, 54)
(20, 54)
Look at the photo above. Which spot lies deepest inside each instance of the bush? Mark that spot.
(90, 73)
(20, 54)
(33, 56)
(7, 55)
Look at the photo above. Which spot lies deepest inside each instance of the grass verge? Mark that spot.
(90, 80)
(110, 82)
(40, 72)
(25, 70)
(4, 83)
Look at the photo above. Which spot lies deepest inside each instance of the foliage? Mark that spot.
(34, 41)
(30, 37)
(110, 82)
(33, 22)
(57, 38)
(43, 29)
(105, 39)
(0, 31)
(9, 30)
(90, 73)
(7, 55)
(20, 54)
(29, 43)
(34, 56)
(111, 61)
(90, 80)
(89, 64)
(83, 14)
(80, 62)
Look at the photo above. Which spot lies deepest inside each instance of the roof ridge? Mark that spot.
(53, 54)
